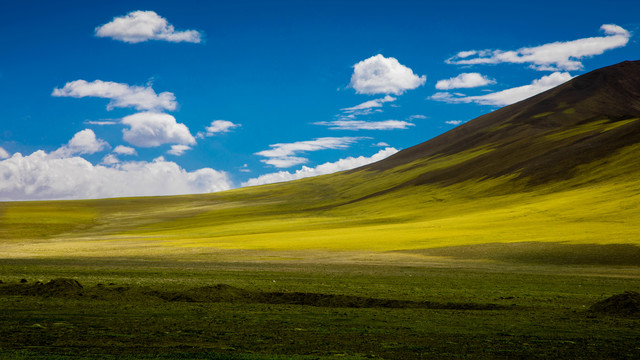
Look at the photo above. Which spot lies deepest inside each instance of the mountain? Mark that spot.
(555, 176)
(545, 137)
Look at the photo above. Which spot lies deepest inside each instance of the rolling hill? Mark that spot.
(551, 178)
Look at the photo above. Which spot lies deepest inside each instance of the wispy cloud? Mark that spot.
(454, 122)
(464, 80)
(101, 122)
(140, 26)
(508, 96)
(178, 150)
(376, 103)
(381, 75)
(284, 155)
(121, 95)
(217, 127)
(554, 56)
(365, 125)
(326, 168)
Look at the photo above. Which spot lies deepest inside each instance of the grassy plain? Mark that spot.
(540, 311)
(511, 267)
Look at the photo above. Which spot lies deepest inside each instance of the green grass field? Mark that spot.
(541, 310)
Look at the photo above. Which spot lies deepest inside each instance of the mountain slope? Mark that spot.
(560, 167)
(546, 136)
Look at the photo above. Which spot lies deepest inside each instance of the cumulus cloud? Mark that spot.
(3, 153)
(326, 168)
(284, 155)
(365, 125)
(178, 150)
(217, 127)
(150, 129)
(125, 150)
(508, 96)
(464, 80)
(556, 56)
(121, 95)
(83, 142)
(41, 176)
(454, 122)
(140, 26)
(381, 75)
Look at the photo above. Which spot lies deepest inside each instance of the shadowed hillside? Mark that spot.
(542, 138)
(560, 167)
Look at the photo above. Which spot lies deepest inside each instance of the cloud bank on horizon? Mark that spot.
(384, 99)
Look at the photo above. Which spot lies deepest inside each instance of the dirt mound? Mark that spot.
(627, 303)
(60, 286)
(57, 287)
(70, 288)
(228, 293)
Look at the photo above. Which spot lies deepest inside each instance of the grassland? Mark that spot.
(540, 311)
(343, 212)
(514, 269)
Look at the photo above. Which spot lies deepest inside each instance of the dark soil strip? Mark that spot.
(70, 288)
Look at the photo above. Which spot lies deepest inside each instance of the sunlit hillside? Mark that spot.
(561, 167)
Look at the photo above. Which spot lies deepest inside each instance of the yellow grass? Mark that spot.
(600, 205)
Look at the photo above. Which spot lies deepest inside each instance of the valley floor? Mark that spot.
(320, 305)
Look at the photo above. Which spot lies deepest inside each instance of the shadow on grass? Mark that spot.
(543, 253)
(70, 288)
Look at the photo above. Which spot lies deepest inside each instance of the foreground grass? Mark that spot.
(543, 311)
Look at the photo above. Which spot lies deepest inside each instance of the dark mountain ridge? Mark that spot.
(542, 138)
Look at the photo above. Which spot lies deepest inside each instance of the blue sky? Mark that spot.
(122, 98)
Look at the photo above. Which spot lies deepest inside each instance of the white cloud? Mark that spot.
(216, 127)
(178, 150)
(554, 56)
(376, 103)
(326, 168)
(41, 176)
(284, 155)
(100, 122)
(125, 150)
(464, 80)
(121, 95)
(365, 125)
(83, 142)
(3, 153)
(140, 26)
(413, 117)
(454, 122)
(380, 75)
(110, 159)
(508, 96)
(150, 129)
(381, 144)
